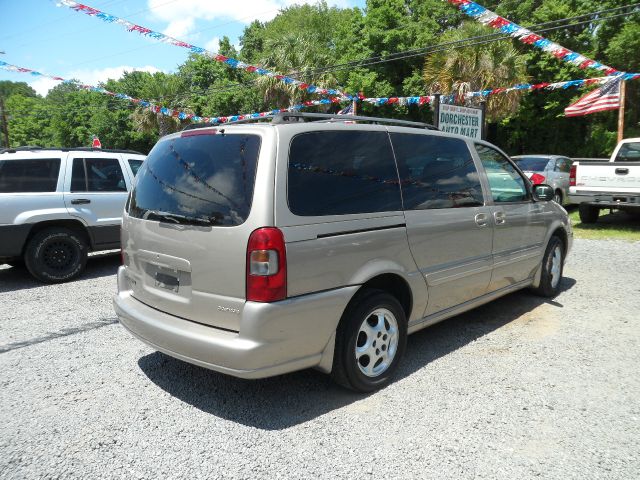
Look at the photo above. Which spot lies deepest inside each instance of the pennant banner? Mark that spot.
(378, 101)
(491, 19)
(230, 62)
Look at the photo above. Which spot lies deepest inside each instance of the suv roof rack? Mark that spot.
(28, 148)
(296, 117)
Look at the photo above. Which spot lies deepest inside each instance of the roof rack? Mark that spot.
(74, 149)
(296, 117)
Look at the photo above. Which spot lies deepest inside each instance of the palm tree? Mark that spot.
(479, 67)
(161, 89)
(296, 56)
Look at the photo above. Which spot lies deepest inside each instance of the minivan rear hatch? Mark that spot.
(185, 235)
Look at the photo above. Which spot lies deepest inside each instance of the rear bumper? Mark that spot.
(13, 239)
(606, 200)
(274, 338)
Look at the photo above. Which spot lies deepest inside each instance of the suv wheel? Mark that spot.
(56, 255)
(557, 197)
(552, 266)
(370, 341)
(588, 213)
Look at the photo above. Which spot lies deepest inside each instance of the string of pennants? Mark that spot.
(378, 101)
(230, 62)
(495, 21)
(470, 8)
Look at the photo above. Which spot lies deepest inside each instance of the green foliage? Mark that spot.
(8, 88)
(343, 48)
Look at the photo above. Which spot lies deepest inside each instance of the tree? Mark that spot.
(8, 88)
(160, 89)
(480, 67)
(29, 121)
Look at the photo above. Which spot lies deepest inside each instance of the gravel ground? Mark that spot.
(519, 388)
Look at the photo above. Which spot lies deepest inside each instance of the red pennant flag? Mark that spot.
(96, 142)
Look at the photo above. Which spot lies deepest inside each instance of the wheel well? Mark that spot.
(394, 285)
(74, 225)
(562, 235)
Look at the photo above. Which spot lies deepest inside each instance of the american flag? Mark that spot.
(606, 97)
(348, 110)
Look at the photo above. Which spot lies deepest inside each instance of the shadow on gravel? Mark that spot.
(98, 265)
(282, 402)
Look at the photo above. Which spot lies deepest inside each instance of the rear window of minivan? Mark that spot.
(339, 173)
(198, 178)
(29, 176)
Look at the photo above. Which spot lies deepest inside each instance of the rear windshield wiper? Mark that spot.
(177, 218)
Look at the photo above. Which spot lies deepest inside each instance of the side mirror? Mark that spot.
(543, 193)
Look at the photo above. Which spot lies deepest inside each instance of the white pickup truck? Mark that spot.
(608, 184)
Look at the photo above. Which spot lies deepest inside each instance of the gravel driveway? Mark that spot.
(519, 388)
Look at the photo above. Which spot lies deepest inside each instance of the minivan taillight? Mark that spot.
(572, 175)
(266, 266)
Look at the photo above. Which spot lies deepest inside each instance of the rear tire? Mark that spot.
(552, 267)
(558, 198)
(370, 341)
(56, 255)
(588, 213)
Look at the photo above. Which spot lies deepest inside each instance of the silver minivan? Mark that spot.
(256, 249)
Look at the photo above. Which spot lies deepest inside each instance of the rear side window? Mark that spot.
(134, 165)
(97, 175)
(629, 152)
(564, 165)
(436, 172)
(199, 179)
(339, 173)
(532, 164)
(37, 175)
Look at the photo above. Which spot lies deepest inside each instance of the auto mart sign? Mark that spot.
(460, 120)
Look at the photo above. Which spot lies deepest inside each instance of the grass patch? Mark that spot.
(610, 226)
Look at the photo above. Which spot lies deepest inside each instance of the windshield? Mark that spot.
(532, 164)
(202, 178)
(629, 152)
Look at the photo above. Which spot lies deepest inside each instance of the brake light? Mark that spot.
(572, 175)
(266, 266)
(537, 179)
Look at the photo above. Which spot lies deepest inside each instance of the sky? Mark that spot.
(42, 36)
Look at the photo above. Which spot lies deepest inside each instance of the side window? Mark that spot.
(134, 165)
(436, 172)
(97, 175)
(506, 184)
(29, 176)
(339, 173)
(563, 165)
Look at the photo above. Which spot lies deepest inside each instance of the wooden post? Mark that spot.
(621, 111)
(5, 127)
(355, 105)
(436, 110)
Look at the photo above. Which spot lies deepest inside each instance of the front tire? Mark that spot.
(56, 255)
(552, 267)
(370, 341)
(588, 213)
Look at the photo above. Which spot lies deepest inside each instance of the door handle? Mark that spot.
(622, 171)
(481, 219)
(80, 201)
(499, 217)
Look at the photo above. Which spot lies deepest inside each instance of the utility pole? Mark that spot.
(5, 127)
(621, 111)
